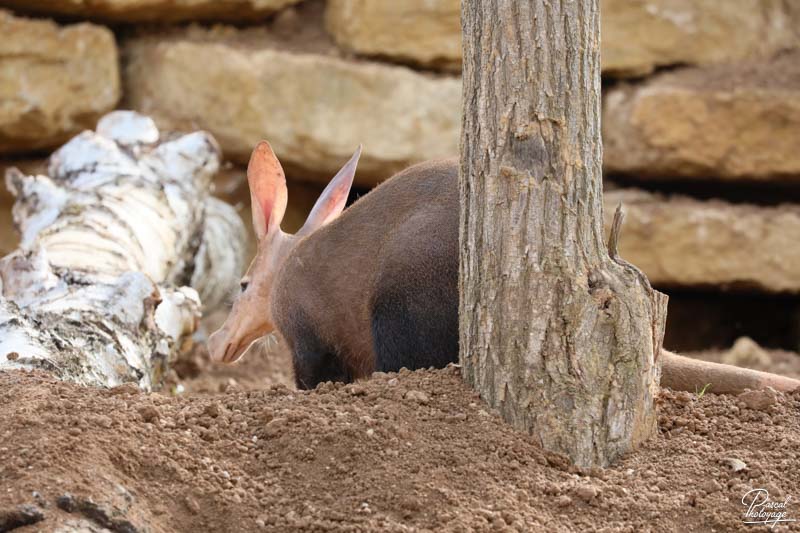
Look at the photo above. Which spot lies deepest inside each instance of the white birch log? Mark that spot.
(123, 218)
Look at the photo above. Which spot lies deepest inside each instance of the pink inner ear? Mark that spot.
(267, 193)
(338, 197)
(266, 180)
(332, 200)
(266, 209)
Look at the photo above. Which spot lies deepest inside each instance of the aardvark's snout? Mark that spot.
(227, 347)
(222, 349)
(217, 345)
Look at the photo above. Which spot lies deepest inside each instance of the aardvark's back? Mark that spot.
(377, 289)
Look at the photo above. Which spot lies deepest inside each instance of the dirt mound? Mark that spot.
(264, 365)
(412, 451)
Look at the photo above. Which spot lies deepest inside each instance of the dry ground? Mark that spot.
(241, 451)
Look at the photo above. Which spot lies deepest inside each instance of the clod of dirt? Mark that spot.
(212, 410)
(356, 390)
(587, 493)
(710, 486)
(417, 396)
(148, 413)
(275, 427)
(563, 501)
(759, 400)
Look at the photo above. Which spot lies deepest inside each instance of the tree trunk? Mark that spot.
(557, 332)
(123, 219)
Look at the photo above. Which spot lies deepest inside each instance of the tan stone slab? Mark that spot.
(638, 35)
(425, 32)
(683, 242)
(314, 108)
(154, 10)
(54, 81)
(726, 122)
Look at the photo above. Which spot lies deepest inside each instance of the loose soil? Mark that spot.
(240, 450)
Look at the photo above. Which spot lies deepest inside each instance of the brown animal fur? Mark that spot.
(684, 373)
(334, 273)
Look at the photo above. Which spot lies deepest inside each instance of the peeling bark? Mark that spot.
(558, 334)
(95, 293)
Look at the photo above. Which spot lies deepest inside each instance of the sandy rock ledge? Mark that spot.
(737, 122)
(313, 106)
(38, 59)
(682, 242)
(154, 10)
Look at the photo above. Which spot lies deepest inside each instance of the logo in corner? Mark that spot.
(765, 512)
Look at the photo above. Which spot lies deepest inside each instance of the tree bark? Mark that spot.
(557, 332)
(93, 293)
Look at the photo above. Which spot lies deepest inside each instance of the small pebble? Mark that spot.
(586, 493)
(417, 396)
(735, 465)
(275, 426)
(357, 390)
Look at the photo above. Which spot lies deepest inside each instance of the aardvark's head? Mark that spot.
(251, 318)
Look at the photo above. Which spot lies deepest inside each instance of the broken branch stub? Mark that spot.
(122, 220)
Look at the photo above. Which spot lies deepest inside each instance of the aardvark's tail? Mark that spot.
(687, 374)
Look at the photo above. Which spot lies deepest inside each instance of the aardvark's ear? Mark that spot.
(267, 190)
(331, 202)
